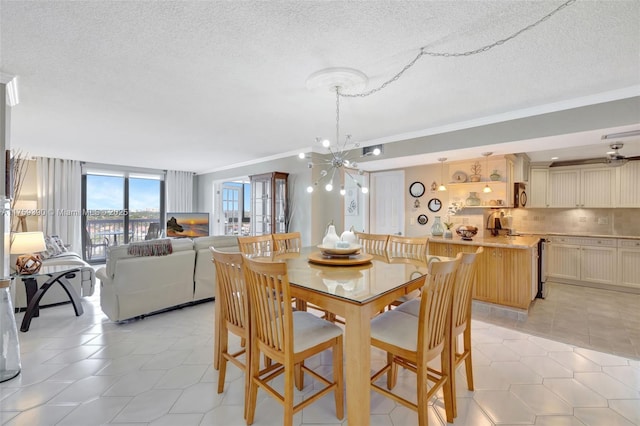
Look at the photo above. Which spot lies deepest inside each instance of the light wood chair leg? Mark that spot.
(299, 375)
(392, 373)
(337, 377)
(467, 362)
(289, 382)
(448, 364)
(223, 347)
(253, 386)
(423, 401)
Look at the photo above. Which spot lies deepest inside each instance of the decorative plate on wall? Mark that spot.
(416, 189)
(423, 219)
(459, 177)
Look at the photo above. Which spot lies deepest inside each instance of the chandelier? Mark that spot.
(337, 79)
(342, 156)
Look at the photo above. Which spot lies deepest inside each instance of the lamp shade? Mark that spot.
(27, 242)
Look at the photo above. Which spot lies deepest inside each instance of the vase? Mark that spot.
(447, 233)
(495, 176)
(9, 345)
(472, 199)
(330, 237)
(437, 229)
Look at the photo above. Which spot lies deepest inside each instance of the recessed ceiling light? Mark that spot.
(554, 158)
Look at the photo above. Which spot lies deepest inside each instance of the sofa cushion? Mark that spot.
(216, 241)
(121, 252)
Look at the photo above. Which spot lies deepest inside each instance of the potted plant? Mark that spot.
(447, 232)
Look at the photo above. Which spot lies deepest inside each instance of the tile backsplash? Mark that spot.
(614, 222)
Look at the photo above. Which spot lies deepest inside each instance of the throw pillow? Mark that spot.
(58, 241)
(52, 248)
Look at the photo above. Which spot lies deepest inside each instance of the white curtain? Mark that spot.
(179, 191)
(60, 199)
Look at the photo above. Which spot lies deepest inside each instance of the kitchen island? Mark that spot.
(507, 271)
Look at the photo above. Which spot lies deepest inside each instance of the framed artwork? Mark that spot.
(351, 205)
(187, 225)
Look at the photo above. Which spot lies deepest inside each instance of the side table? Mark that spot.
(56, 274)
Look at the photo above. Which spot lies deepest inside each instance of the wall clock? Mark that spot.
(434, 205)
(423, 219)
(416, 189)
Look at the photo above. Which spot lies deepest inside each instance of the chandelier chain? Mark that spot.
(482, 49)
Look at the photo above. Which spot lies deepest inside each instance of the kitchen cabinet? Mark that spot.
(449, 249)
(538, 183)
(269, 203)
(629, 263)
(504, 277)
(628, 185)
(590, 260)
(581, 187)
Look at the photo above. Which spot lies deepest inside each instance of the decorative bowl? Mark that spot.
(467, 232)
(352, 249)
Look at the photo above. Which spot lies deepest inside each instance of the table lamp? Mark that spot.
(27, 245)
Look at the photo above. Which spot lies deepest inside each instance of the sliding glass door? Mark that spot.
(120, 207)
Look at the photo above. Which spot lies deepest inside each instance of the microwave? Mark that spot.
(519, 194)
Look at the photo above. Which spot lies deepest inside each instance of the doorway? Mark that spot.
(387, 202)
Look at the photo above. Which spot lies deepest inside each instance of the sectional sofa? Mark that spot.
(133, 286)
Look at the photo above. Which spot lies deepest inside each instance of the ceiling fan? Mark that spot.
(613, 158)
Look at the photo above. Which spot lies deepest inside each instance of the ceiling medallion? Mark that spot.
(342, 157)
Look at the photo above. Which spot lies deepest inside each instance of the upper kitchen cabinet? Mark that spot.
(571, 187)
(628, 185)
(538, 184)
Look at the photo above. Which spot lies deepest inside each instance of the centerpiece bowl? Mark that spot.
(467, 232)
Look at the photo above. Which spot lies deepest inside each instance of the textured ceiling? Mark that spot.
(201, 85)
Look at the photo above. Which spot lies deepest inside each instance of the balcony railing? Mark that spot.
(111, 232)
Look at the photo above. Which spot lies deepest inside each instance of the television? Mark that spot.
(187, 225)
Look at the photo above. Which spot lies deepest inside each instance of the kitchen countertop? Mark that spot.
(580, 234)
(517, 242)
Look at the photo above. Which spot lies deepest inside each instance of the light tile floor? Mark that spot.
(157, 371)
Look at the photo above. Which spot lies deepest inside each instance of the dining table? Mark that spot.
(355, 291)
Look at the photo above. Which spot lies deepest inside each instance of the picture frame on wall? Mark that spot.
(351, 204)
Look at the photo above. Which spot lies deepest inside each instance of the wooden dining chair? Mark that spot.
(407, 247)
(287, 242)
(287, 338)
(256, 245)
(400, 249)
(232, 301)
(412, 342)
(373, 243)
(460, 315)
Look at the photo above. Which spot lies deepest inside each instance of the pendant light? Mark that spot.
(442, 187)
(486, 155)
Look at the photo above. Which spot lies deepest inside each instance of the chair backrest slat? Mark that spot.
(435, 304)
(288, 242)
(463, 290)
(270, 301)
(231, 287)
(256, 245)
(372, 243)
(407, 247)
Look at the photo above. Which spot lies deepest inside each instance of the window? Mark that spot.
(120, 207)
